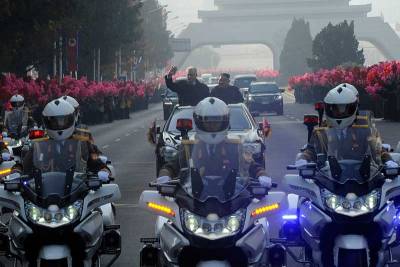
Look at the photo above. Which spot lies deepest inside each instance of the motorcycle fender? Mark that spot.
(304, 188)
(54, 252)
(390, 190)
(312, 221)
(107, 214)
(172, 242)
(154, 197)
(19, 230)
(90, 229)
(108, 193)
(272, 198)
(385, 219)
(254, 243)
(12, 201)
(349, 242)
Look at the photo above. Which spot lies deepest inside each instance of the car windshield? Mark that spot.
(219, 171)
(264, 89)
(238, 120)
(244, 82)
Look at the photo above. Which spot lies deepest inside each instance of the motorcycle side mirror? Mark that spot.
(167, 190)
(310, 121)
(12, 186)
(391, 172)
(94, 183)
(258, 191)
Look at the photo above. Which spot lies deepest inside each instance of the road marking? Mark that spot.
(292, 118)
(125, 205)
(104, 147)
(135, 131)
(298, 120)
(118, 139)
(128, 134)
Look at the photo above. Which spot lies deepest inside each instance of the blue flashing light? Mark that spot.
(289, 217)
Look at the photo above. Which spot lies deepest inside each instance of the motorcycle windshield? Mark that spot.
(350, 163)
(216, 171)
(60, 165)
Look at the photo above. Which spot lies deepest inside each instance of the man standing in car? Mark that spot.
(226, 92)
(190, 91)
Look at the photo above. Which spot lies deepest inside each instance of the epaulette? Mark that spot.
(360, 117)
(80, 137)
(189, 142)
(83, 130)
(46, 138)
(358, 126)
(320, 128)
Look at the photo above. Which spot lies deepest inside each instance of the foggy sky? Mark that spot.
(187, 9)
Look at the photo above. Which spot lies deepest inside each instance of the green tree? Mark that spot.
(336, 45)
(297, 48)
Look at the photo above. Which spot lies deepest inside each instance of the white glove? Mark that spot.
(265, 181)
(163, 179)
(103, 159)
(391, 164)
(5, 156)
(103, 176)
(386, 147)
(301, 162)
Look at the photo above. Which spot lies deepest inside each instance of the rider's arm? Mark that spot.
(173, 86)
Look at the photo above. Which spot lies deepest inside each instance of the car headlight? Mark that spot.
(278, 97)
(53, 216)
(351, 205)
(250, 97)
(169, 153)
(214, 227)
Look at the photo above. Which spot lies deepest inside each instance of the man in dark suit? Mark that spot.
(190, 91)
(226, 92)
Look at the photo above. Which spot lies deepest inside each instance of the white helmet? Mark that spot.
(75, 104)
(341, 107)
(17, 102)
(59, 119)
(211, 116)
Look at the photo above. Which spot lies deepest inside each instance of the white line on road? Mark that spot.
(104, 147)
(118, 139)
(128, 134)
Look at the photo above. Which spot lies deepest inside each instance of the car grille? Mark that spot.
(265, 99)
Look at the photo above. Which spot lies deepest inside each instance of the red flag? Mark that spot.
(72, 53)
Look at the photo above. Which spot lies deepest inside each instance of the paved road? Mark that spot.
(126, 145)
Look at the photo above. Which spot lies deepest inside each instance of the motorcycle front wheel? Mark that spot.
(353, 257)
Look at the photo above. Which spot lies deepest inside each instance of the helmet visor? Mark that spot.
(212, 124)
(17, 104)
(58, 123)
(340, 111)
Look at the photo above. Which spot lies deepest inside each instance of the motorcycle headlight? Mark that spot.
(332, 202)
(213, 228)
(250, 97)
(169, 153)
(351, 206)
(371, 201)
(53, 217)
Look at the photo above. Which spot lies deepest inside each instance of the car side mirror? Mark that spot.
(158, 130)
(282, 90)
(163, 95)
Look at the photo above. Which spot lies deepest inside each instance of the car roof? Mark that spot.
(245, 76)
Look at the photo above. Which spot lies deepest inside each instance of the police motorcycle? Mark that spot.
(212, 214)
(57, 219)
(341, 212)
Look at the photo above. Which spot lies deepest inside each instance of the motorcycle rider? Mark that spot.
(215, 152)
(81, 128)
(18, 120)
(62, 140)
(352, 134)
